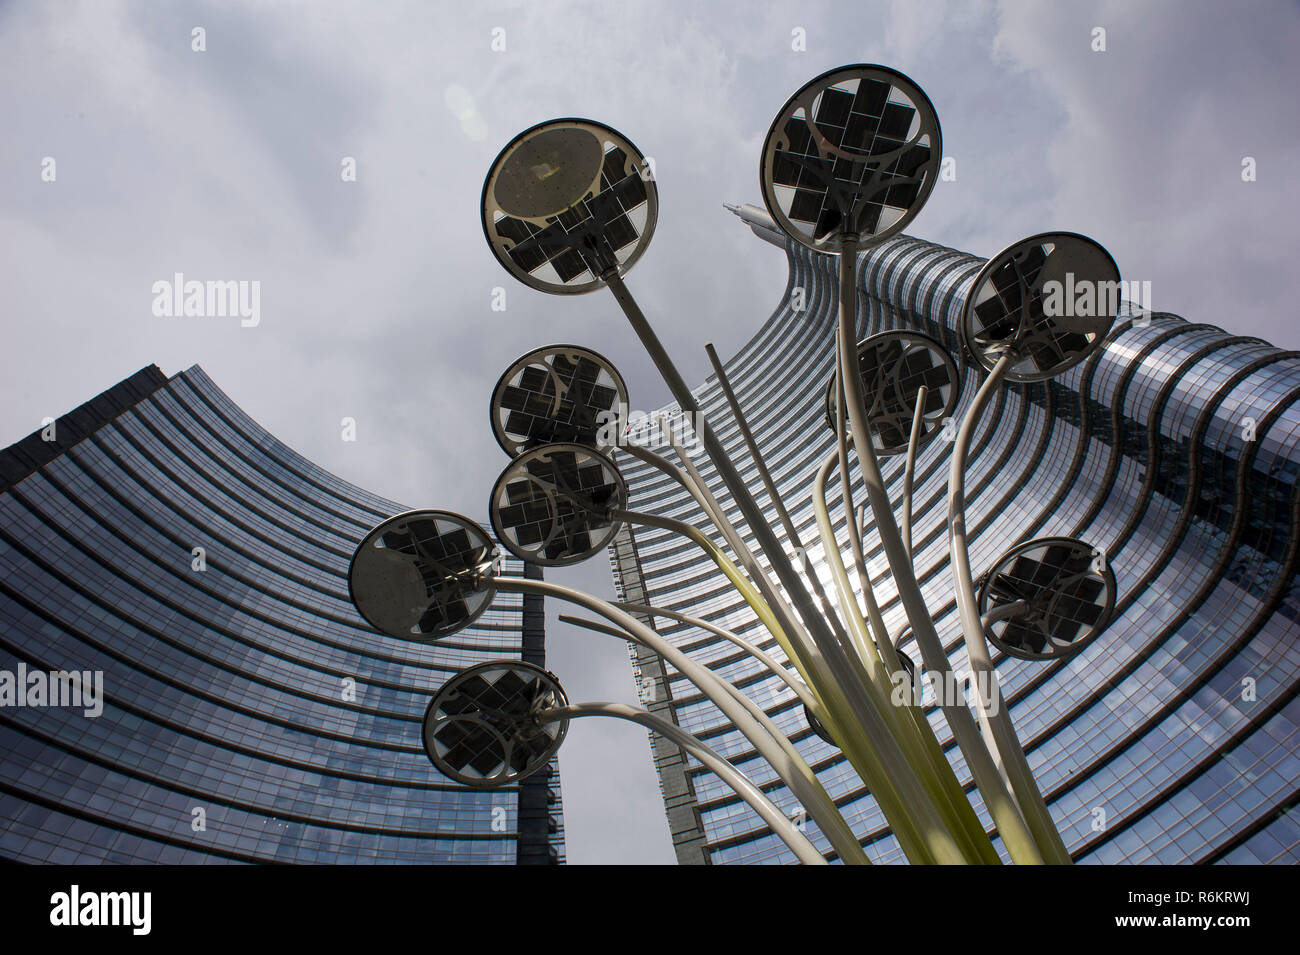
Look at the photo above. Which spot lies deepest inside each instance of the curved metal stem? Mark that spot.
(784, 829)
(773, 496)
(915, 731)
(909, 470)
(754, 726)
(993, 708)
(834, 680)
(822, 810)
(711, 505)
(830, 675)
(791, 680)
(853, 731)
(797, 643)
(924, 785)
(1005, 612)
(859, 745)
(792, 625)
(1006, 815)
(883, 647)
(732, 573)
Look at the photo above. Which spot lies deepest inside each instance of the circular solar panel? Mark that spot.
(560, 393)
(1050, 300)
(422, 575)
(482, 728)
(567, 200)
(892, 366)
(856, 150)
(550, 506)
(1058, 595)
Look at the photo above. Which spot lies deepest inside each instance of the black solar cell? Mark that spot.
(833, 109)
(871, 97)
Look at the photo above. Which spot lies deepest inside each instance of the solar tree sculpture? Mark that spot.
(569, 206)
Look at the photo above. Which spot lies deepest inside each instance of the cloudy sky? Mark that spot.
(376, 294)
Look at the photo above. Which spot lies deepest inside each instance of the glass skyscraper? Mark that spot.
(1173, 737)
(159, 545)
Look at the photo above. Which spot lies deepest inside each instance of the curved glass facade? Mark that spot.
(1173, 737)
(165, 544)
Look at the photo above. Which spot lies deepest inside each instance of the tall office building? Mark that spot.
(1173, 737)
(158, 540)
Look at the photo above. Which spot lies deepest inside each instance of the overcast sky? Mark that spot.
(376, 294)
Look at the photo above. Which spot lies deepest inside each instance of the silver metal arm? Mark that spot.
(815, 810)
(742, 551)
(909, 470)
(699, 490)
(713, 507)
(884, 647)
(773, 496)
(996, 715)
(784, 829)
(827, 657)
(915, 727)
(749, 720)
(1004, 612)
(821, 806)
(695, 486)
(734, 690)
(786, 676)
(1006, 814)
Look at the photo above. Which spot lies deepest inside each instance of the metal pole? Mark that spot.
(884, 648)
(802, 646)
(796, 685)
(773, 496)
(784, 829)
(911, 728)
(989, 694)
(713, 508)
(839, 669)
(888, 772)
(1006, 814)
(748, 722)
(732, 573)
(757, 520)
(821, 808)
(909, 470)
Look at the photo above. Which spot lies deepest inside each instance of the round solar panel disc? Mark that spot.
(856, 150)
(892, 366)
(482, 728)
(1049, 299)
(1047, 599)
(422, 575)
(550, 505)
(560, 393)
(567, 200)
